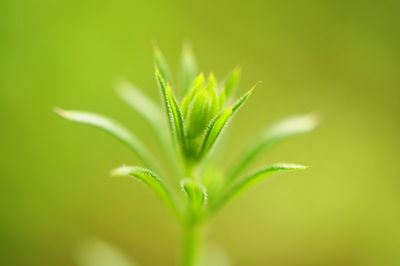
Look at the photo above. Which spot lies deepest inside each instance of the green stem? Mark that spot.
(191, 245)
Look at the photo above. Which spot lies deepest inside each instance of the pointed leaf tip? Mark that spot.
(288, 166)
(57, 110)
(293, 125)
(161, 64)
(214, 130)
(217, 125)
(188, 67)
(242, 99)
(173, 111)
(61, 112)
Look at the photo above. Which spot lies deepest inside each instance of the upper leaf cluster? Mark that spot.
(187, 128)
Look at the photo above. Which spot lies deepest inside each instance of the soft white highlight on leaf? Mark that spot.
(95, 252)
(216, 256)
(293, 125)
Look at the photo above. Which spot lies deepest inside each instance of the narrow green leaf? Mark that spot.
(195, 191)
(282, 130)
(151, 180)
(242, 99)
(293, 125)
(188, 68)
(162, 65)
(217, 124)
(177, 114)
(212, 82)
(232, 82)
(214, 130)
(196, 86)
(114, 129)
(174, 114)
(151, 112)
(252, 178)
(142, 104)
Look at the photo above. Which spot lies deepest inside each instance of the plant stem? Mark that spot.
(191, 245)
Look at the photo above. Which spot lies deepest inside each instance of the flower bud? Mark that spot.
(200, 107)
(197, 85)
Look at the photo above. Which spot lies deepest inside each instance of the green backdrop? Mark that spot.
(340, 59)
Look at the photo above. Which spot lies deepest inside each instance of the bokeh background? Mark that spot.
(340, 59)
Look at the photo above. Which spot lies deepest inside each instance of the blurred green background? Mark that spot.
(340, 59)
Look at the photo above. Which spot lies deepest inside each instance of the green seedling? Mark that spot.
(188, 129)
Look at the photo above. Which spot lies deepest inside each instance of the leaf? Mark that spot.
(201, 110)
(174, 114)
(283, 129)
(114, 129)
(217, 125)
(195, 191)
(252, 178)
(95, 252)
(232, 82)
(242, 99)
(212, 82)
(188, 68)
(293, 125)
(151, 180)
(177, 114)
(197, 85)
(142, 104)
(161, 64)
(214, 130)
(147, 109)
